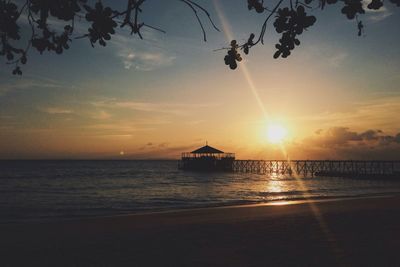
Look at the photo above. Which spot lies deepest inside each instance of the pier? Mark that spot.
(319, 167)
(209, 158)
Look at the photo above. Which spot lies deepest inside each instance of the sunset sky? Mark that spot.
(337, 94)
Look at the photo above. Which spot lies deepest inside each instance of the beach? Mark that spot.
(342, 232)
(165, 133)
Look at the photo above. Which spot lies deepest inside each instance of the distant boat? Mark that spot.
(207, 158)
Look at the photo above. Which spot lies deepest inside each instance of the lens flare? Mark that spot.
(278, 134)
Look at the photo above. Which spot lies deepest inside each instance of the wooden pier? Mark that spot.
(319, 167)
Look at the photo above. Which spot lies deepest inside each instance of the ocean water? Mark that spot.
(58, 190)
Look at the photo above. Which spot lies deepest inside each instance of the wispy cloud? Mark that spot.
(379, 16)
(134, 53)
(333, 55)
(171, 108)
(376, 15)
(6, 127)
(57, 24)
(145, 61)
(382, 111)
(196, 122)
(162, 150)
(101, 115)
(114, 129)
(336, 60)
(56, 110)
(28, 83)
(144, 55)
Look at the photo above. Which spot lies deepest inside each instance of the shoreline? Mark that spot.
(297, 201)
(294, 201)
(356, 232)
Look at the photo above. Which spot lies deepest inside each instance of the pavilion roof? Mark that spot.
(207, 150)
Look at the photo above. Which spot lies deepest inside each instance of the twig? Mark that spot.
(264, 26)
(206, 12)
(154, 28)
(198, 19)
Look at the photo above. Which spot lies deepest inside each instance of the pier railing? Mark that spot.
(188, 155)
(318, 167)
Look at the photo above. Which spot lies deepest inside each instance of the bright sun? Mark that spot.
(276, 133)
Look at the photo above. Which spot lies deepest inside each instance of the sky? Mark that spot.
(337, 95)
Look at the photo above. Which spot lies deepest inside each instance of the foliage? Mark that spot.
(291, 20)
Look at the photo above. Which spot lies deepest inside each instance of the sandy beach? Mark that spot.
(347, 232)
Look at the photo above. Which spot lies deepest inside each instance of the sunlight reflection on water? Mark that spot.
(65, 189)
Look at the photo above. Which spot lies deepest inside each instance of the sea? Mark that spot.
(38, 191)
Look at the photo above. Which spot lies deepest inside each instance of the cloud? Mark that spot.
(80, 27)
(344, 143)
(6, 127)
(101, 115)
(382, 112)
(195, 122)
(150, 146)
(145, 61)
(29, 83)
(376, 15)
(165, 144)
(169, 108)
(144, 55)
(337, 59)
(57, 110)
(338, 136)
(162, 151)
(112, 127)
(333, 55)
(371, 134)
(134, 53)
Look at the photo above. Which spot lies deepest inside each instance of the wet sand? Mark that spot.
(351, 232)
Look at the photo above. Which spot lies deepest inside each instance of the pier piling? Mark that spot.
(319, 167)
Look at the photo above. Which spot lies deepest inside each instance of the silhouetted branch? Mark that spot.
(154, 28)
(197, 17)
(103, 21)
(206, 12)
(264, 26)
(291, 20)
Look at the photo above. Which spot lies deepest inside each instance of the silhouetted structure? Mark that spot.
(341, 168)
(207, 158)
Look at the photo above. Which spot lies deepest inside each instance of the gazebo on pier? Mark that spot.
(207, 158)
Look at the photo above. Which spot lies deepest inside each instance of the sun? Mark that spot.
(276, 133)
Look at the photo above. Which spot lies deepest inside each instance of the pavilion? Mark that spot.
(207, 158)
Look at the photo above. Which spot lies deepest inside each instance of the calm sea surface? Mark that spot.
(54, 190)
